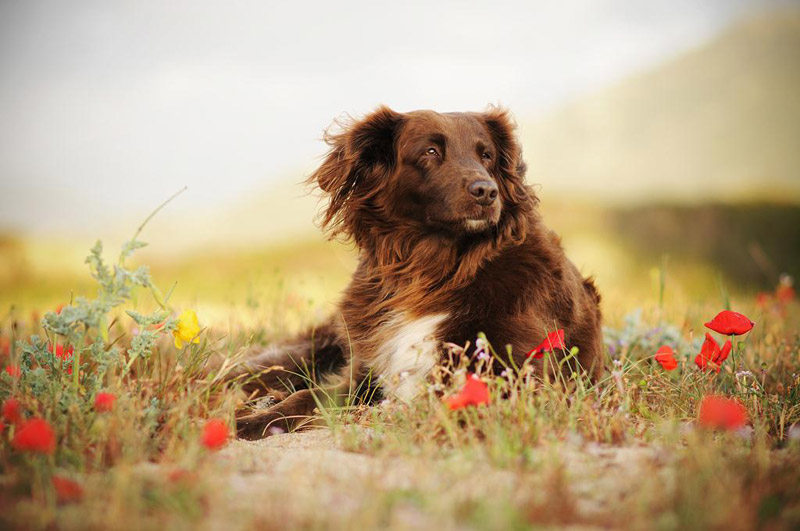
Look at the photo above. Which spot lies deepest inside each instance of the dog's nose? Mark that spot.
(484, 192)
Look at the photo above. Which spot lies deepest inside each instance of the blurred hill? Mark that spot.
(750, 244)
(720, 122)
(697, 160)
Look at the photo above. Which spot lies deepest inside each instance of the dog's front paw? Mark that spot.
(290, 414)
(261, 424)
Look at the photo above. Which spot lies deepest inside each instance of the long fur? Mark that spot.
(511, 281)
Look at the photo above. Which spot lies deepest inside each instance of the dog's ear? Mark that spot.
(518, 198)
(509, 153)
(362, 153)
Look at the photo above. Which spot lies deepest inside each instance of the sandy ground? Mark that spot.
(306, 480)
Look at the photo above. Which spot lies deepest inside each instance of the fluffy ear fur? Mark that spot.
(362, 155)
(519, 199)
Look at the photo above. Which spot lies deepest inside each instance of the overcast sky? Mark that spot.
(107, 107)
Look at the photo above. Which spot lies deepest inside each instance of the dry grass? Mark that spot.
(625, 452)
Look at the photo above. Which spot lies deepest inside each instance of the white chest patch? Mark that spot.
(408, 355)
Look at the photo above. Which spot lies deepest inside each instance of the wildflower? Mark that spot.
(553, 341)
(482, 349)
(721, 412)
(785, 291)
(215, 434)
(13, 371)
(730, 323)
(474, 393)
(187, 330)
(65, 355)
(104, 402)
(67, 490)
(5, 346)
(666, 357)
(181, 475)
(711, 353)
(11, 410)
(743, 374)
(36, 435)
(762, 299)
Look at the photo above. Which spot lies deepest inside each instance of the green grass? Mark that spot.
(519, 462)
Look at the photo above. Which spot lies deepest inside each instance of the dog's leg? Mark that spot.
(279, 370)
(297, 410)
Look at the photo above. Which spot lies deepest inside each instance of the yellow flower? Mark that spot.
(187, 330)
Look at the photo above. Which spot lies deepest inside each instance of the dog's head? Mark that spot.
(458, 174)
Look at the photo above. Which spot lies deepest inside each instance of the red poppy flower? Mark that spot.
(474, 393)
(67, 490)
(13, 370)
(215, 434)
(666, 357)
(722, 413)
(553, 341)
(36, 435)
(181, 475)
(763, 299)
(64, 354)
(710, 353)
(785, 293)
(5, 346)
(730, 323)
(11, 410)
(104, 402)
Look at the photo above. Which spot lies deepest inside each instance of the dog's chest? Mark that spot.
(408, 348)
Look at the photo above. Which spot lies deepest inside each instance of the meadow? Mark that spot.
(113, 416)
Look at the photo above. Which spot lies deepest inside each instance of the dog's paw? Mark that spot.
(261, 424)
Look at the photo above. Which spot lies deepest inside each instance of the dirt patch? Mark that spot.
(306, 480)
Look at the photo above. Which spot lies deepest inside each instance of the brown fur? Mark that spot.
(400, 186)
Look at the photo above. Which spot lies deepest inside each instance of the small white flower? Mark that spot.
(404, 375)
(483, 356)
(743, 374)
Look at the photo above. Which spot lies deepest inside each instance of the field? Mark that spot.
(140, 436)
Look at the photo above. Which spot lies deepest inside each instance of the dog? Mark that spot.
(450, 244)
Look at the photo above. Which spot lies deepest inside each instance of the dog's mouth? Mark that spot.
(469, 220)
(477, 225)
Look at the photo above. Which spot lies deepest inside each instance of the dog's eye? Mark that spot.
(432, 151)
(486, 155)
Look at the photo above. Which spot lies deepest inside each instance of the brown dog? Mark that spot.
(450, 245)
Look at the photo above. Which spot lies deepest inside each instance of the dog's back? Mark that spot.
(450, 243)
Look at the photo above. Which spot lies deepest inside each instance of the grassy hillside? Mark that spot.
(721, 121)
